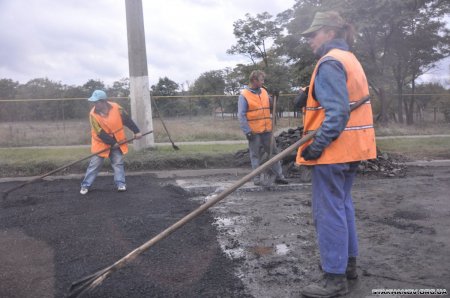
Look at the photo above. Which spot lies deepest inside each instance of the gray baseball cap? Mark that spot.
(325, 19)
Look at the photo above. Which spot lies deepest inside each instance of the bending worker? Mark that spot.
(342, 141)
(256, 123)
(107, 120)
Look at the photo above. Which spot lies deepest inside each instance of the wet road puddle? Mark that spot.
(280, 249)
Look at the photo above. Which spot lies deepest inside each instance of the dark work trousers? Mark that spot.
(263, 139)
(334, 215)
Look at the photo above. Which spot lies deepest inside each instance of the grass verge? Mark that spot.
(38, 161)
(417, 148)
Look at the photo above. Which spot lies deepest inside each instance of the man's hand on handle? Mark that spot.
(137, 136)
(310, 153)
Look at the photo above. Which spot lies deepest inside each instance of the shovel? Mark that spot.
(90, 282)
(5, 193)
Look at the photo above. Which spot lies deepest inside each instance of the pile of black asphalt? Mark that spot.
(385, 165)
(52, 236)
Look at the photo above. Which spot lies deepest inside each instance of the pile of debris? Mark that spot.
(385, 165)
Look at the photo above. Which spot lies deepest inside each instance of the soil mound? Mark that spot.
(385, 165)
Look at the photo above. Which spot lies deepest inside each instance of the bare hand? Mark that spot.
(138, 135)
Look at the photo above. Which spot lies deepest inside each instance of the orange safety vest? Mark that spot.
(357, 141)
(258, 112)
(112, 125)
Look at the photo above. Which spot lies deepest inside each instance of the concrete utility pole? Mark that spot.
(141, 109)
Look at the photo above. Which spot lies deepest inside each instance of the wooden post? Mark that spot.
(141, 108)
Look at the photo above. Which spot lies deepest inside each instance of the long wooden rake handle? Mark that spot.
(90, 282)
(5, 194)
(81, 286)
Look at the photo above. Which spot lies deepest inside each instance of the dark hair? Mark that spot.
(346, 32)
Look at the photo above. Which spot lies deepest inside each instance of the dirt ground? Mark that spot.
(255, 243)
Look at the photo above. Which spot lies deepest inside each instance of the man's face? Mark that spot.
(259, 82)
(101, 106)
(318, 38)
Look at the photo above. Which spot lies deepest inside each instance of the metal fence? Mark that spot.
(64, 121)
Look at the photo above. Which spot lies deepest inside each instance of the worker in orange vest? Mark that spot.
(107, 120)
(343, 139)
(256, 123)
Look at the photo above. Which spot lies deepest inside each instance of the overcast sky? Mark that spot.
(72, 41)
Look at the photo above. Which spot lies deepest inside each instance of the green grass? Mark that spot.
(418, 148)
(396, 129)
(65, 154)
(36, 155)
(38, 161)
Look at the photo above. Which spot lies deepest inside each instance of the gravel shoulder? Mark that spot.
(402, 225)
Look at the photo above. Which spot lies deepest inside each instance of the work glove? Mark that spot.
(138, 135)
(249, 136)
(310, 153)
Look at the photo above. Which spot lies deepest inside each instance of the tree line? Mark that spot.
(397, 42)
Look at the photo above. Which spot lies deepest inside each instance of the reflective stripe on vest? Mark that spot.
(112, 125)
(357, 141)
(258, 112)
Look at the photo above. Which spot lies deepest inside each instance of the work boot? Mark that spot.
(351, 272)
(256, 181)
(330, 286)
(281, 180)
